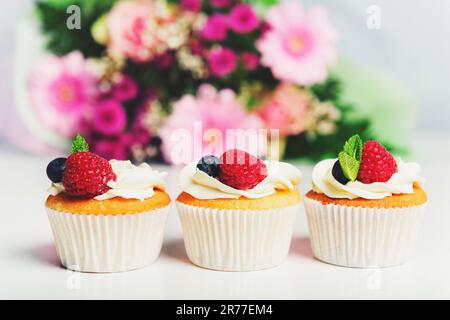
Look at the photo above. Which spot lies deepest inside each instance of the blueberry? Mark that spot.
(338, 174)
(55, 169)
(209, 165)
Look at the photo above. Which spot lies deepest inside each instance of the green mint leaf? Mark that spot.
(79, 144)
(353, 147)
(349, 165)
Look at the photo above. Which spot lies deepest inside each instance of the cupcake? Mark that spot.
(105, 216)
(365, 207)
(237, 212)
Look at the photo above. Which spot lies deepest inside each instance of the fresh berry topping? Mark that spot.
(209, 165)
(377, 164)
(241, 170)
(55, 169)
(338, 174)
(87, 174)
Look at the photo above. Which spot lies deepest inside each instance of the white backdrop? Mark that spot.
(412, 45)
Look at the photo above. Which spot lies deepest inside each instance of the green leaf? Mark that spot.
(262, 6)
(349, 165)
(61, 40)
(263, 3)
(328, 90)
(79, 144)
(353, 147)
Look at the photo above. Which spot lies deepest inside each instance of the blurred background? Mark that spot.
(410, 47)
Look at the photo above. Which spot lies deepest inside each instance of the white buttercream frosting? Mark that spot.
(401, 182)
(56, 188)
(280, 176)
(133, 182)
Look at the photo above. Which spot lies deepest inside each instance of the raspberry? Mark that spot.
(377, 164)
(87, 175)
(241, 170)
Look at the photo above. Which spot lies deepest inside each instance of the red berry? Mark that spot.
(87, 175)
(377, 164)
(241, 170)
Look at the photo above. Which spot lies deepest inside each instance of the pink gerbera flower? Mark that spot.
(210, 111)
(222, 61)
(242, 19)
(299, 46)
(61, 91)
(109, 118)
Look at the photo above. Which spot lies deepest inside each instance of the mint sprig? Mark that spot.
(349, 165)
(353, 147)
(79, 144)
(350, 157)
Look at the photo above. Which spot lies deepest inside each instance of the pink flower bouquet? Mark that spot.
(142, 71)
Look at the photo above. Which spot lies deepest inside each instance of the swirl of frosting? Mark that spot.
(280, 176)
(133, 182)
(401, 182)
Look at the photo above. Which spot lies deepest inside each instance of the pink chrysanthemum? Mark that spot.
(191, 5)
(215, 28)
(222, 61)
(299, 46)
(215, 112)
(197, 47)
(139, 131)
(242, 19)
(220, 3)
(165, 60)
(111, 148)
(250, 61)
(120, 147)
(109, 118)
(61, 91)
(125, 88)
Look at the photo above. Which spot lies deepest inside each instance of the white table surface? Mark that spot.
(29, 266)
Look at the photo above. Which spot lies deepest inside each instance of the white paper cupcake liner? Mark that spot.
(108, 243)
(237, 240)
(362, 237)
